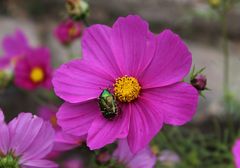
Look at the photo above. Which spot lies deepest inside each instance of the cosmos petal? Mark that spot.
(236, 154)
(4, 62)
(24, 129)
(170, 64)
(132, 44)
(177, 102)
(103, 131)
(39, 164)
(28, 133)
(65, 141)
(79, 80)
(96, 46)
(1, 117)
(145, 123)
(122, 152)
(143, 159)
(5, 136)
(76, 119)
(16, 44)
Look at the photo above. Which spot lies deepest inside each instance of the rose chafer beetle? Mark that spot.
(108, 104)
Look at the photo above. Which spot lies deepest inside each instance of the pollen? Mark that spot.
(126, 89)
(37, 75)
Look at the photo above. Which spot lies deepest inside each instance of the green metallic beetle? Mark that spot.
(108, 105)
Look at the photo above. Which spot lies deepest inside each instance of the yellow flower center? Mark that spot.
(126, 89)
(37, 75)
(72, 31)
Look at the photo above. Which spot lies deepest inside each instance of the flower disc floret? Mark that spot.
(126, 89)
(37, 75)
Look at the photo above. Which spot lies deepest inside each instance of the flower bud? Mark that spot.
(199, 82)
(5, 77)
(103, 157)
(214, 3)
(77, 9)
(68, 31)
(155, 150)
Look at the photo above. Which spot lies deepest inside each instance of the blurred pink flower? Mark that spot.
(14, 46)
(236, 153)
(62, 140)
(143, 159)
(68, 30)
(34, 70)
(73, 162)
(143, 71)
(25, 142)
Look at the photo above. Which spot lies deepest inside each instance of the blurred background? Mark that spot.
(195, 21)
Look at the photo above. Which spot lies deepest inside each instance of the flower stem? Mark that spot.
(226, 90)
(226, 55)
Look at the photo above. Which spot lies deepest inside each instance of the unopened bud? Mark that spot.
(77, 9)
(5, 77)
(103, 157)
(199, 82)
(214, 3)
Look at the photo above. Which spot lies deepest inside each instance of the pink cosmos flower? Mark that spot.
(14, 46)
(25, 142)
(68, 31)
(62, 140)
(143, 159)
(144, 73)
(34, 69)
(236, 153)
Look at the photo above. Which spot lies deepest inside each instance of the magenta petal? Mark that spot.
(65, 141)
(177, 102)
(123, 153)
(4, 62)
(96, 46)
(24, 129)
(103, 131)
(78, 81)
(145, 123)
(1, 117)
(76, 119)
(236, 153)
(143, 159)
(16, 44)
(5, 138)
(171, 63)
(39, 164)
(32, 138)
(132, 44)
